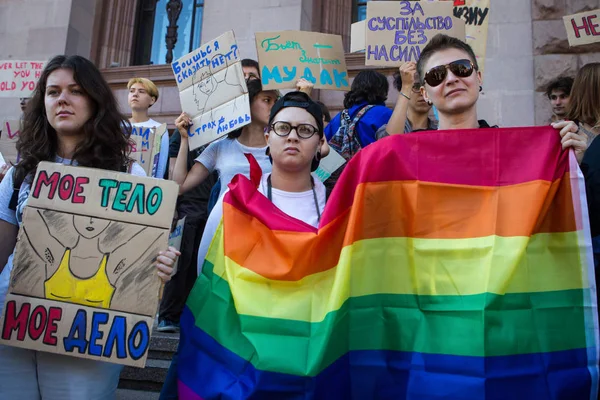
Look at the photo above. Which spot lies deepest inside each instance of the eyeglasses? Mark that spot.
(304, 131)
(460, 68)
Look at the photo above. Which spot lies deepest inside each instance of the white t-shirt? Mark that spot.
(300, 205)
(227, 157)
(16, 217)
(164, 147)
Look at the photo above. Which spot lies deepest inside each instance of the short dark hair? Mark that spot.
(325, 111)
(254, 88)
(299, 100)
(370, 86)
(563, 83)
(248, 62)
(443, 42)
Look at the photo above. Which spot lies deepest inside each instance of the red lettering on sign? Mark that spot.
(12, 321)
(54, 315)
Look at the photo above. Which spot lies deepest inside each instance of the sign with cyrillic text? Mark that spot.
(84, 282)
(147, 153)
(329, 165)
(8, 140)
(397, 31)
(212, 90)
(18, 78)
(583, 28)
(287, 56)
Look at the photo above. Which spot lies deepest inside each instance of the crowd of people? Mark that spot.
(73, 118)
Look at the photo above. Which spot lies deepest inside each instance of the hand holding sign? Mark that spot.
(212, 89)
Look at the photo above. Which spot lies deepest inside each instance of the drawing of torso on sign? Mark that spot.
(84, 257)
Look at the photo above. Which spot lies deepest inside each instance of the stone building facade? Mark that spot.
(526, 45)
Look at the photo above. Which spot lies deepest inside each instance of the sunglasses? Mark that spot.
(460, 68)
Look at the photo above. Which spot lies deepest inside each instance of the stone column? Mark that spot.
(114, 40)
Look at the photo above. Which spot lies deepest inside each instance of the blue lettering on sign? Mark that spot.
(133, 345)
(204, 57)
(339, 79)
(394, 53)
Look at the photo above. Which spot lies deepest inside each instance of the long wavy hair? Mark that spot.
(105, 144)
(584, 103)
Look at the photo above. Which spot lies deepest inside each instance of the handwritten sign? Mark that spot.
(476, 14)
(287, 56)
(147, 150)
(212, 90)
(175, 240)
(329, 165)
(8, 140)
(18, 78)
(583, 28)
(84, 282)
(398, 31)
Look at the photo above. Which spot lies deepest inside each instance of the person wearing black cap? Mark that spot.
(294, 140)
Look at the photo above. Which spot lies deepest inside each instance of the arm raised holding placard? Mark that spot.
(187, 180)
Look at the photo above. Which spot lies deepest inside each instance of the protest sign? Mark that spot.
(358, 30)
(18, 78)
(175, 240)
(8, 140)
(84, 282)
(287, 56)
(212, 90)
(476, 14)
(583, 28)
(397, 32)
(148, 148)
(329, 165)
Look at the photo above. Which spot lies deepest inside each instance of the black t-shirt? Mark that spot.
(590, 166)
(194, 202)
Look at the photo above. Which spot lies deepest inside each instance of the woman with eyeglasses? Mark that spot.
(451, 81)
(294, 140)
(411, 112)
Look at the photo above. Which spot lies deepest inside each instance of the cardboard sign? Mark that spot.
(358, 31)
(84, 282)
(397, 31)
(8, 140)
(212, 90)
(583, 28)
(287, 56)
(329, 165)
(148, 147)
(175, 240)
(18, 78)
(476, 14)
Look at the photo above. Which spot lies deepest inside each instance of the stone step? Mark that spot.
(128, 394)
(163, 345)
(150, 378)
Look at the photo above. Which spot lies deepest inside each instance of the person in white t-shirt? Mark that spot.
(73, 119)
(143, 93)
(295, 139)
(226, 155)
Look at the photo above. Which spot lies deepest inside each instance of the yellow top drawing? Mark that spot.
(95, 291)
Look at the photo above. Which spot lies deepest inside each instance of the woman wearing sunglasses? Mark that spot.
(294, 140)
(451, 81)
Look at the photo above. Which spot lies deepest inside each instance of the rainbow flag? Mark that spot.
(447, 265)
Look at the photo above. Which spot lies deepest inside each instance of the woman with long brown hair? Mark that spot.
(73, 118)
(584, 104)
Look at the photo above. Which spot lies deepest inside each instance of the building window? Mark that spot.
(360, 10)
(157, 41)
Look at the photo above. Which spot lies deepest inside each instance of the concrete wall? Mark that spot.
(246, 17)
(507, 98)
